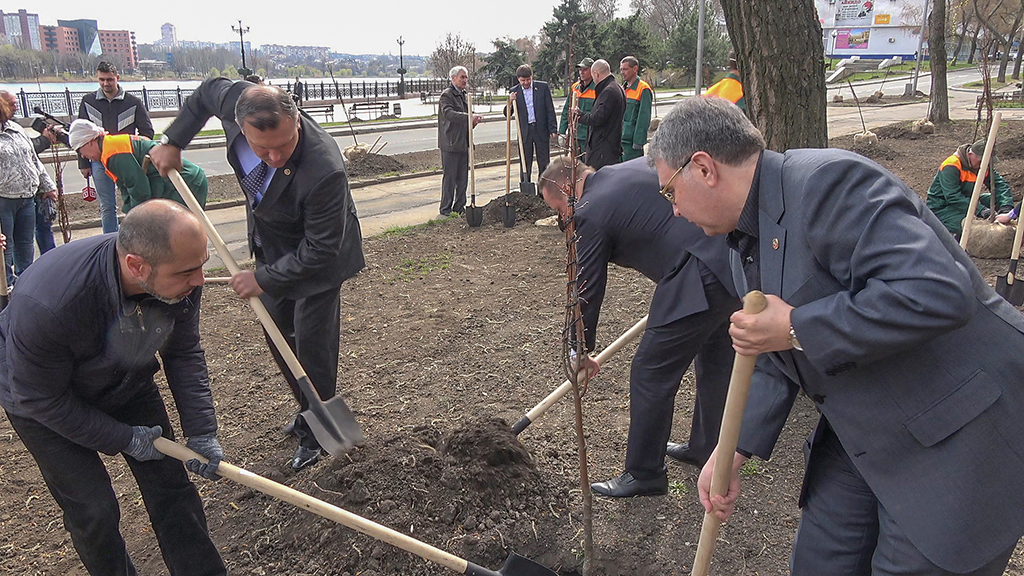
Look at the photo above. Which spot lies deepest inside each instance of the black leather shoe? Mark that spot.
(626, 486)
(305, 457)
(682, 453)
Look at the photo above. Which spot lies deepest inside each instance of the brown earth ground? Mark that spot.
(446, 329)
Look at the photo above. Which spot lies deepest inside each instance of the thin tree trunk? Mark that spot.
(1020, 52)
(939, 106)
(782, 63)
(960, 37)
(974, 45)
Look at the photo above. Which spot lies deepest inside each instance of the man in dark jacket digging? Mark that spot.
(622, 219)
(78, 347)
(303, 227)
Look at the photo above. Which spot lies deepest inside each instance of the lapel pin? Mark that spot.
(288, 172)
(775, 241)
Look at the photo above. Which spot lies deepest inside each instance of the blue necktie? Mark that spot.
(252, 185)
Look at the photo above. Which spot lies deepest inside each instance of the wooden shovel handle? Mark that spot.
(319, 507)
(225, 255)
(545, 404)
(472, 163)
(508, 149)
(735, 403)
(519, 138)
(980, 182)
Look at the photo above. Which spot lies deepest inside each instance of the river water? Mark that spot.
(165, 84)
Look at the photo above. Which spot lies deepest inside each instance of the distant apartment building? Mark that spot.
(299, 52)
(88, 35)
(196, 44)
(21, 30)
(168, 37)
(119, 44)
(60, 39)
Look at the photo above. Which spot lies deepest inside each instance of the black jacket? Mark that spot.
(125, 114)
(307, 220)
(622, 218)
(543, 108)
(74, 349)
(453, 121)
(604, 138)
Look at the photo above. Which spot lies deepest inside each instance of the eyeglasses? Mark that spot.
(664, 191)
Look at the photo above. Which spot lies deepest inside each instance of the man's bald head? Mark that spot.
(600, 70)
(154, 228)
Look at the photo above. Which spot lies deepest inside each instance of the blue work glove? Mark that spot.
(985, 212)
(141, 447)
(208, 447)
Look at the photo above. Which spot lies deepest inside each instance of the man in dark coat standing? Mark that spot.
(303, 227)
(536, 119)
(453, 140)
(622, 219)
(604, 137)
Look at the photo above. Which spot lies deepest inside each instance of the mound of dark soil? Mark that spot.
(474, 492)
(372, 165)
(899, 131)
(528, 208)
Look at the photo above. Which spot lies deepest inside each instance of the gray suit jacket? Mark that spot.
(910, 355)
(453, 121)
(622, 218)
(307, 220)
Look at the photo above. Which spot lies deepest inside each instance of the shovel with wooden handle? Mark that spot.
(735, 403)
(4, 293)
(332, 423)
(508, 211)
(515, 565)
(986, 159)
(474, 213)
(525, 186)
(1007, 286)
(539, 410)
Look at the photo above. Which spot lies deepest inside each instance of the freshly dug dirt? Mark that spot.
(447, 335)
(372, 165)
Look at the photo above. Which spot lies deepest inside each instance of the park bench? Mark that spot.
(1000, 97)
(327, 110)
(375, 109)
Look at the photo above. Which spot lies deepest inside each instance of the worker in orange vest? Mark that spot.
(729, 87)
(584, 90)
(639, 100)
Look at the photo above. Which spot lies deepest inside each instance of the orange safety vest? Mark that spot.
(729, 88)
(115, 144)
(589, 93)
(634, 93)
(965, 175)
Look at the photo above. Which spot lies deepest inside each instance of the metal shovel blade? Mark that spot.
(1012, 291)
(474, 216)
(528, 188)
(508, 213)
(515, 565)
(331, 422)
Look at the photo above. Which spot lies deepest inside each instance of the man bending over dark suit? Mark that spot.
(303, 227)
(622, 219)
(874, 312)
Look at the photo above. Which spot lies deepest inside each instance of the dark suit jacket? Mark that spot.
(453, 121)
(307, 220)
(622, 218)
(910, 355)
(604, 137)
(543, 108)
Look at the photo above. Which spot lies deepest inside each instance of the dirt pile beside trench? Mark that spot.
(528, 208)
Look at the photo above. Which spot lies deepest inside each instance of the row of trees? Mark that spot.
(662, 34)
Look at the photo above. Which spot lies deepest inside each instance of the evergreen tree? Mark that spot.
(552, 64)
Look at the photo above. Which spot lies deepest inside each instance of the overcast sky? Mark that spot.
(355, 27)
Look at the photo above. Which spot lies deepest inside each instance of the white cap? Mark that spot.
(82, 132)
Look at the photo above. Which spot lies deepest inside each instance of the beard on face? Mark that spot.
(150, 290)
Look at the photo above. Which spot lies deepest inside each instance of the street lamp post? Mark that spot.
(244, 71)
(401, 69)
(835, 38)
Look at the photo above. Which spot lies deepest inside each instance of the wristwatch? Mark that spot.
(793, 341)
(167, 141)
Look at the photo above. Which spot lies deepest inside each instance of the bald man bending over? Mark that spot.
(78, 346)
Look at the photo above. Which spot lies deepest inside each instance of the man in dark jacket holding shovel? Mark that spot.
(78, 347)
(604, 121)
(303, 227)
(622, 219)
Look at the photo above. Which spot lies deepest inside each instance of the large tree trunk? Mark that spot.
(974, 44)
(782, 63)
(939, 108)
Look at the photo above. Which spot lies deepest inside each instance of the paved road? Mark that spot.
(415, 200)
